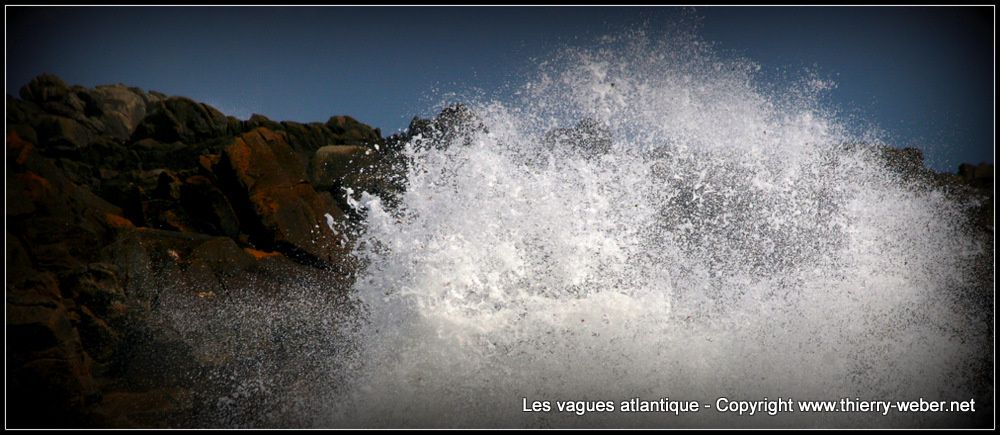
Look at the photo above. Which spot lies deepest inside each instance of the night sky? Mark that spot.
(924, 75)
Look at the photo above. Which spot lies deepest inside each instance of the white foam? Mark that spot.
(729, 245)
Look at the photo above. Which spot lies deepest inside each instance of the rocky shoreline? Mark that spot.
(113, 192)
(122, 202)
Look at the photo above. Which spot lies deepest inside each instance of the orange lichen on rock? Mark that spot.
(208, 161)
(239, 156)
(34, 185)
(274, 179)
(267, 134)
(18, 148)
(260, 255)
(117, 221)
(265, 203)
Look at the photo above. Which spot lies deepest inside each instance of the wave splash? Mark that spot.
(645, 219)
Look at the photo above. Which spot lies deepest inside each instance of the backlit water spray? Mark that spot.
(645, 220)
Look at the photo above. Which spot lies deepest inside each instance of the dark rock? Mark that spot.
(18, 262)
(38, 328)
(154, 408)
(280, 209)
(257, 120)
(55, 305)
(54, 215)
(51, 392)
(455, 125)
(126, 194)
(155, 155)
(218, 266)
(45, 88)
(78, 172)
(49, 373)
(98, 288)
(338, 130)
(168, 186)
(337, 168)
(110, 155)
(64, 134)
(24, 131)
(54, 97)
(32, 293)
(979, 176)
(98, 337)
(165, 214)
(158, 266)
(120, 108)
(208, 207)
(333, 162)
(89, 171)
(307, 138)
(22, 112)
(179, 119)
(349, 131)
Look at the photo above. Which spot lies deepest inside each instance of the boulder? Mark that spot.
(58, 222)
(49, 373)
(455, 125)
(306, 138)
(97, 286)
(22, 112)
(179, 119)
(280, 209)
(155, 155)
(121, 108)
(336, 168)
(208, 207)
(98, 111)
(332, 163)
(338, 130)
(59, 131)
(347, 130)
(36, 317)
(101, 340)
(258, 120)
(45, 88)
(18, 262)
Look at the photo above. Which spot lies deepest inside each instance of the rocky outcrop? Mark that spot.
(76, 113)
(179, 119)
(379, 171)
(63, 303)
(454, 125)
(122, 201)
(270, 186)
(332, 163)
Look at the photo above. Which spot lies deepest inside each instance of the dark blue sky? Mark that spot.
(925, 75)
